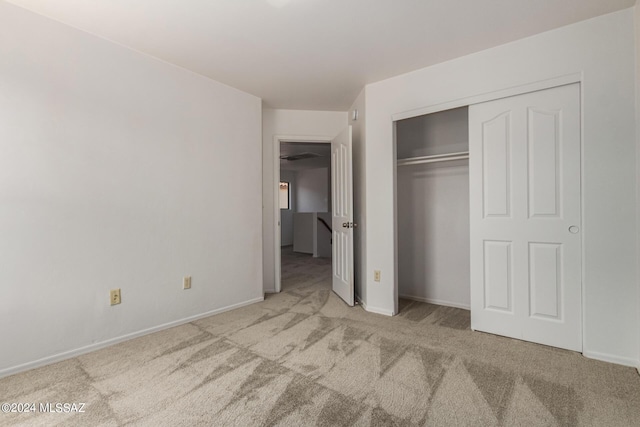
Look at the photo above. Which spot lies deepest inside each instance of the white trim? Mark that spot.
(394, 188)
(277, 285)
(584, 231)
(361, 302)
(376, 310)
(626, 361)
(373, 309)
(437, 302)
(97, 346)
(277, 139)
(491, 96)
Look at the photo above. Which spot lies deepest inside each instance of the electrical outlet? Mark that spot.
(376, 275)
(115, 296)
(186, 282)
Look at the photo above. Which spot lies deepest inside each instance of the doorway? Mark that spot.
(303, 218)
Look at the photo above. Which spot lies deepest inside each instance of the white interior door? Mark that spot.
(342, 215)
(524, 171)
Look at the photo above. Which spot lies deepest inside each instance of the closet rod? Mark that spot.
(434, 158)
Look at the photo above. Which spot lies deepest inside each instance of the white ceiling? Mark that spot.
(314, 54)
(292, 148)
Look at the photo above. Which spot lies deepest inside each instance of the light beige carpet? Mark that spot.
(303, 358)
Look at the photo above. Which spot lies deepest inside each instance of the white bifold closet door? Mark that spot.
(524, 171)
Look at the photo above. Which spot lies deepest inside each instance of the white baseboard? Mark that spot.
(97, 346)
(374, 309)
(436, 301)
(626, 361)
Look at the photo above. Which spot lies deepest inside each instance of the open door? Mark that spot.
(342, 215)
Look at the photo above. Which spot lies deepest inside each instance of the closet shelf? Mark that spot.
(432, 159)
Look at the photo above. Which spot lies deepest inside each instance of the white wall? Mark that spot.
(312, 190)
(286, 215)
(323, 236)
(602, 50)
(292, 123)
(304, 236)
(359, 196)
(433, 233)
(113, 168)
(436, 133)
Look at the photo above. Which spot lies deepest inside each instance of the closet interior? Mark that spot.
(432, 189)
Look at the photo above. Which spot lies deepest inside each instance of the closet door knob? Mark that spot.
(345, 225)
(574, 229)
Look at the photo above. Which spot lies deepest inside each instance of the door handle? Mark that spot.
(574, 229)
(349, 225)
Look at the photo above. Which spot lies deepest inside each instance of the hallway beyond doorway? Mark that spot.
(300, 270)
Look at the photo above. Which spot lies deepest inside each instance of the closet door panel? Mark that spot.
(498, 279)
(543, 142)
(545, 280)
(543, 224)
(553, 229)
(496, 185)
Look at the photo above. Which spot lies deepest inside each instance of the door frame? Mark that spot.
(277, 139)
(492, 96)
